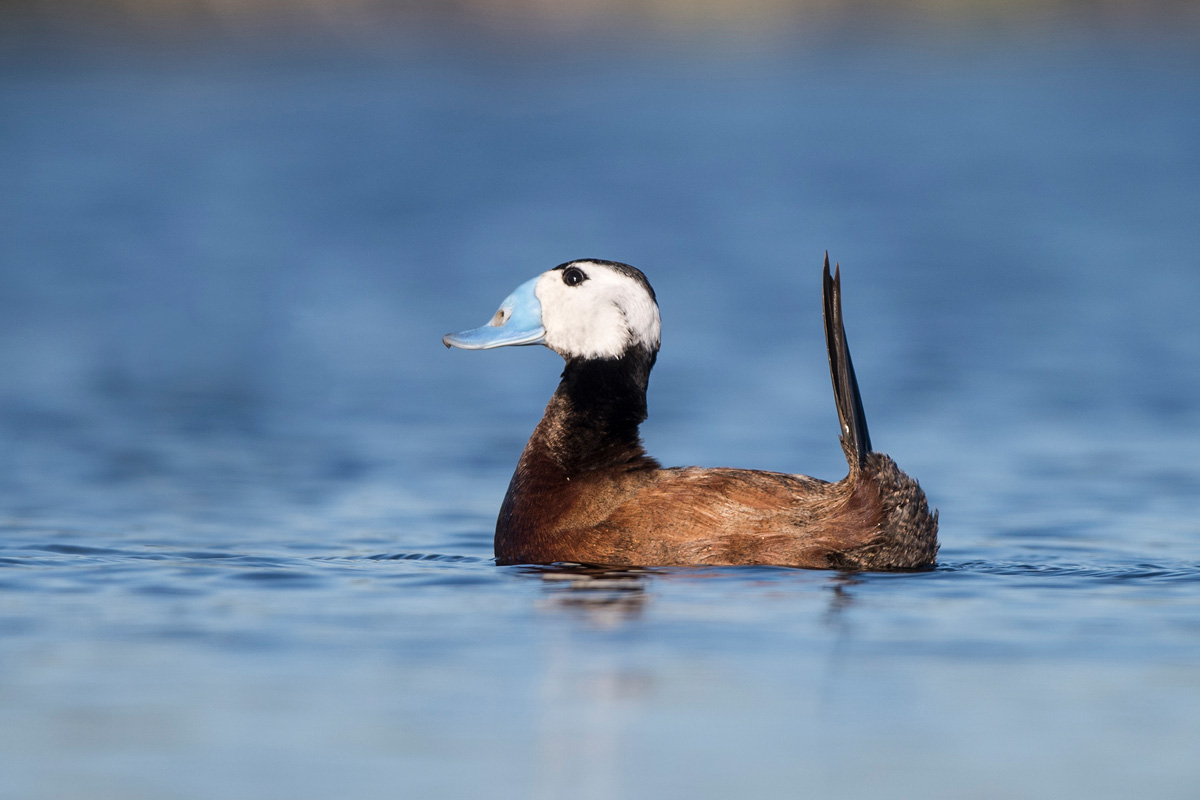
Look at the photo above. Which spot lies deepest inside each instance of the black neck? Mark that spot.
(592, 420)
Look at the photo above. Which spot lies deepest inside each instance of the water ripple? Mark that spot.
(276, 577)
(449, 559)
(1121, 573)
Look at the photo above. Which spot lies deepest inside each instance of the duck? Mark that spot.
(585, 491)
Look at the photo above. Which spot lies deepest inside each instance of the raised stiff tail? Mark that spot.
(856, 441)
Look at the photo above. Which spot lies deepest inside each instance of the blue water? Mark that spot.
(246, 497)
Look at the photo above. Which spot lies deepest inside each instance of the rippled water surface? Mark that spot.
(246, 497)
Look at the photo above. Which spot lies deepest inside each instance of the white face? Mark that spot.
(598, 316)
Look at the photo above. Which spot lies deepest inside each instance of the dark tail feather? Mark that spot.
(855, 439)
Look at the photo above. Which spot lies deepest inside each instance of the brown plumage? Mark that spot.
(585, 490)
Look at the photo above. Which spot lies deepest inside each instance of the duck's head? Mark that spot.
(582, 309)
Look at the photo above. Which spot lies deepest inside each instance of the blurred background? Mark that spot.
(247, 497)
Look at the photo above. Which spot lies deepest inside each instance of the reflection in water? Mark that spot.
(609, 597)
(589, 697)
(591, 700)
(837, 620)
(606, 598)
(840, 598)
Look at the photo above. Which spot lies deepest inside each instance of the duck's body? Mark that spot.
(585, 490)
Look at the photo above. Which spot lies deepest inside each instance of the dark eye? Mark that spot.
(573, 276)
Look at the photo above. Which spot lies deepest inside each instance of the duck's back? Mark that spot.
(644, 517)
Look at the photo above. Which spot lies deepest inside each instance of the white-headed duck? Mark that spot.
(585, 490)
